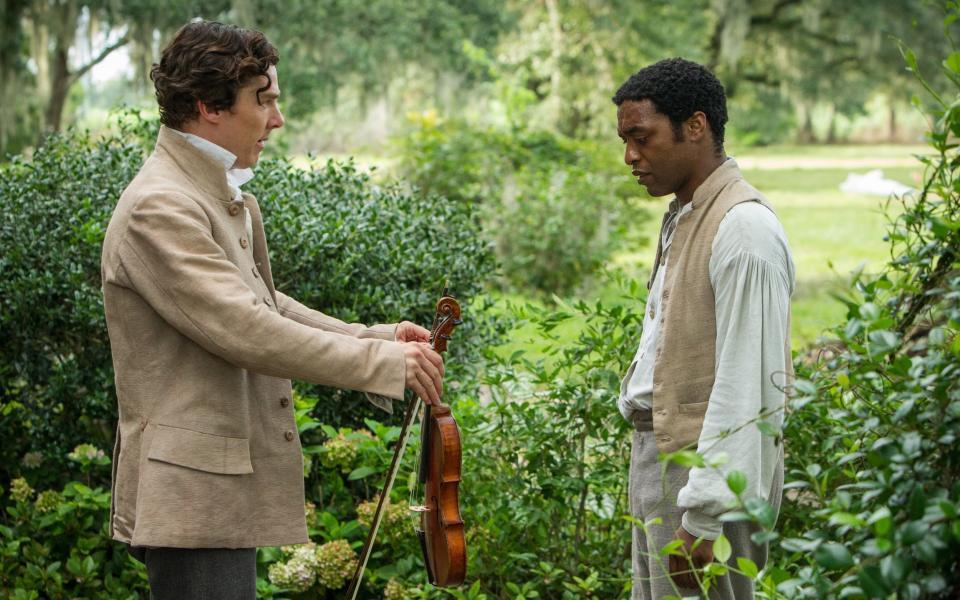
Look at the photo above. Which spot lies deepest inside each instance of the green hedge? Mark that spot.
(555, 207)
(339, 243)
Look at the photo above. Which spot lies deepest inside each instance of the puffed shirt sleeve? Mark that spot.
(752, 274)
(170, 257)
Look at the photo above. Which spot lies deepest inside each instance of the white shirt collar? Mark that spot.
(235, 177)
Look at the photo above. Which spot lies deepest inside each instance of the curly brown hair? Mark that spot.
(208, 61)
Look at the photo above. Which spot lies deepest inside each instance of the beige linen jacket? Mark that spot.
(204, 347)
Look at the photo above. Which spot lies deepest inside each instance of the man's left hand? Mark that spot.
(701, 556)
(411, 332)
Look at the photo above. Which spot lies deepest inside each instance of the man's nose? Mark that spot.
(630, 156)
(278, 119)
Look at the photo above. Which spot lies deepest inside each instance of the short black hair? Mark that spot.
(678, 88)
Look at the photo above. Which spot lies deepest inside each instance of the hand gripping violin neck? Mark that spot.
(441, 527)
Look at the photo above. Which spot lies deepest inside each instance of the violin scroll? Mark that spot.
(446, 318)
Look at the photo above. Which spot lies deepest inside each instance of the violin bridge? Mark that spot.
(418, 508)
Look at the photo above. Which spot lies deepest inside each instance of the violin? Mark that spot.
(441, 531)
(441, 526)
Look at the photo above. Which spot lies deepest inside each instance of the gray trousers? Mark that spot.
(653, 494)
(200, 573)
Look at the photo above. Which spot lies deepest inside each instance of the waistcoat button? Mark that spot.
(243, 243)
(289, 436)
(284, 402)
(234, 209)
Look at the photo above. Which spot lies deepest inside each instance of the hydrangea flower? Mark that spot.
(336, 563)
(20, 490)
(48, 501)
(299, 572)
(396, 523)
(32, 459)
(338, 453)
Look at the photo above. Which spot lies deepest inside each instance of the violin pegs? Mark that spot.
(458, 322)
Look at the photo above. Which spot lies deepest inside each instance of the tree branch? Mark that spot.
(771, 17)
(99, 58)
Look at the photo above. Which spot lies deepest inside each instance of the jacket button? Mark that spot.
(256, 274)
(267, 301)
(243, 243)
(284, 402)
(289, 436)
(234, 209)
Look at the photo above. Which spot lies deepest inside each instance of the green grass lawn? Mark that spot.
(832, 233)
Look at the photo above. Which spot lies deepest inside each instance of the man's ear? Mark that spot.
(696, 126)
(208, 114)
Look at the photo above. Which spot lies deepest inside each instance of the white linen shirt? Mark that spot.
(752, 274)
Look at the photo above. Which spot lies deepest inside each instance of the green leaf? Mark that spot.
(871, 580)
(948, 509)
(913, 532)
(360, 473)
(747, 567)
(833, 556)
(722, 549)
(767, 429)
(737, 482)
(894, 569)
(952, 62)
(845, 518)
(685, 458)
(911, 59)
(883, 341)
(716, 569)
(882, 521)
(672, 548)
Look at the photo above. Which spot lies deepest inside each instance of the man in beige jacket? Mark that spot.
(207, 464)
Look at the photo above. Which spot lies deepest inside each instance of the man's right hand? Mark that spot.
(424, 371)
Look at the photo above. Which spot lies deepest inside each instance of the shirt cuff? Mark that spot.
(382, 402)
(701, 525)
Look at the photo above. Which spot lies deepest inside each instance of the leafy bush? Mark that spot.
(339, 243)
(555, 207)
(56, 544)
(543, 483)
(874, 470)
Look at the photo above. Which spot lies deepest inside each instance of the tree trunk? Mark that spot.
(11, 37)
(832, 130)
(60, 80)
(892, 119)
(553, 101)
(805, 133)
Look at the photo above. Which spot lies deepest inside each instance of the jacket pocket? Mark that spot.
(200, 451)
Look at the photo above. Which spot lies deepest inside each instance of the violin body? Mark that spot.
(441, 526)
